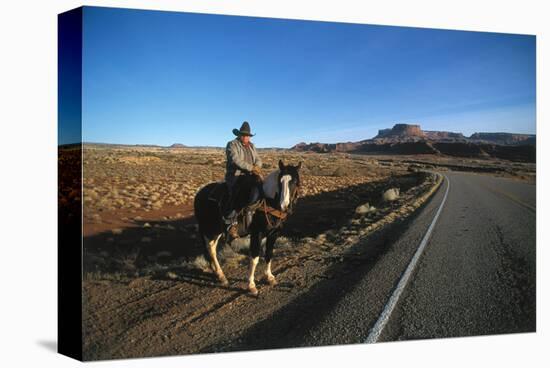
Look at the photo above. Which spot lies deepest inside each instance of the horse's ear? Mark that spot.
(281, 165)
(299, 166)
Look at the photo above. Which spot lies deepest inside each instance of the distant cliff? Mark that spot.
(504, 138)
(413, 132)
(443, 136)
(401, 131)
(326, 147)
(411, 139)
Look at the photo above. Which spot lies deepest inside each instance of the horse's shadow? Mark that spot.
(203, 279)
(152, 248)
(197, 277)
(142, 248)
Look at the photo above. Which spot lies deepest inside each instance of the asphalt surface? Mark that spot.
(476, 275)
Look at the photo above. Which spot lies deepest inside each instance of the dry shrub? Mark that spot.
(340, 171)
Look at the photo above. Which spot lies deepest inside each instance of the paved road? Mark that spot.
(476, 275)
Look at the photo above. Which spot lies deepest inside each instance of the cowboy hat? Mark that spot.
(245, 130)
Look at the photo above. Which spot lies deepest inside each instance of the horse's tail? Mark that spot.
(207, 214)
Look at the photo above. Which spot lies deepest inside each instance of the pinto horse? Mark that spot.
(263, 207)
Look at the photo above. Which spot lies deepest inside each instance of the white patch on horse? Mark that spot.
(270, 184)
(212, 244)
(251, 269)
(285, 195)
(269, 276)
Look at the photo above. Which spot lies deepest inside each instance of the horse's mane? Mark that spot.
(270, 185)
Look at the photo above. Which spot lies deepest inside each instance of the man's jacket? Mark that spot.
(238, 160)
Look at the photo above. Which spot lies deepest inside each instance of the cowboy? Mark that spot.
(241, 158)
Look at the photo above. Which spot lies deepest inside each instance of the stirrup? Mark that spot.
(229, 219)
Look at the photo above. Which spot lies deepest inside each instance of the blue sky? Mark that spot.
(153, 77)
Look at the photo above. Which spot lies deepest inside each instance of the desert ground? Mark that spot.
(147, 289)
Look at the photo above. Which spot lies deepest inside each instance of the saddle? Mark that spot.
(220, 194)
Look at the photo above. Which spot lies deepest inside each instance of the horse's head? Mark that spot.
(289, 184)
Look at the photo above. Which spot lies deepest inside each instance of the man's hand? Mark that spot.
(256, 170)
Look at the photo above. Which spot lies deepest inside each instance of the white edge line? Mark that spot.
(374, 334)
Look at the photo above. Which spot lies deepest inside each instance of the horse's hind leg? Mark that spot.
(270, 243)
(255, 241)
(211, 245)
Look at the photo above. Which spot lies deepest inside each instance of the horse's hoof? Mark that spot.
(272, 281)
(253, 291)
(223, 281)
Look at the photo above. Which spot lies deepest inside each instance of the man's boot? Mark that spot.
(231, 223)
(230, 219)
(232, 231)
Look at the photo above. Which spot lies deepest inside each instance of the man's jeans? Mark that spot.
(229, 214)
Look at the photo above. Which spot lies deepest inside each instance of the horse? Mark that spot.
(263, 207)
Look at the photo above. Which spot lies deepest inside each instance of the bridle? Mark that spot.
(281, 215)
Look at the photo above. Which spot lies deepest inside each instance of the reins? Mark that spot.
(281, 215)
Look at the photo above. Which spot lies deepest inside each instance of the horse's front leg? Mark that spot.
(270, 243)
(255, 242)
